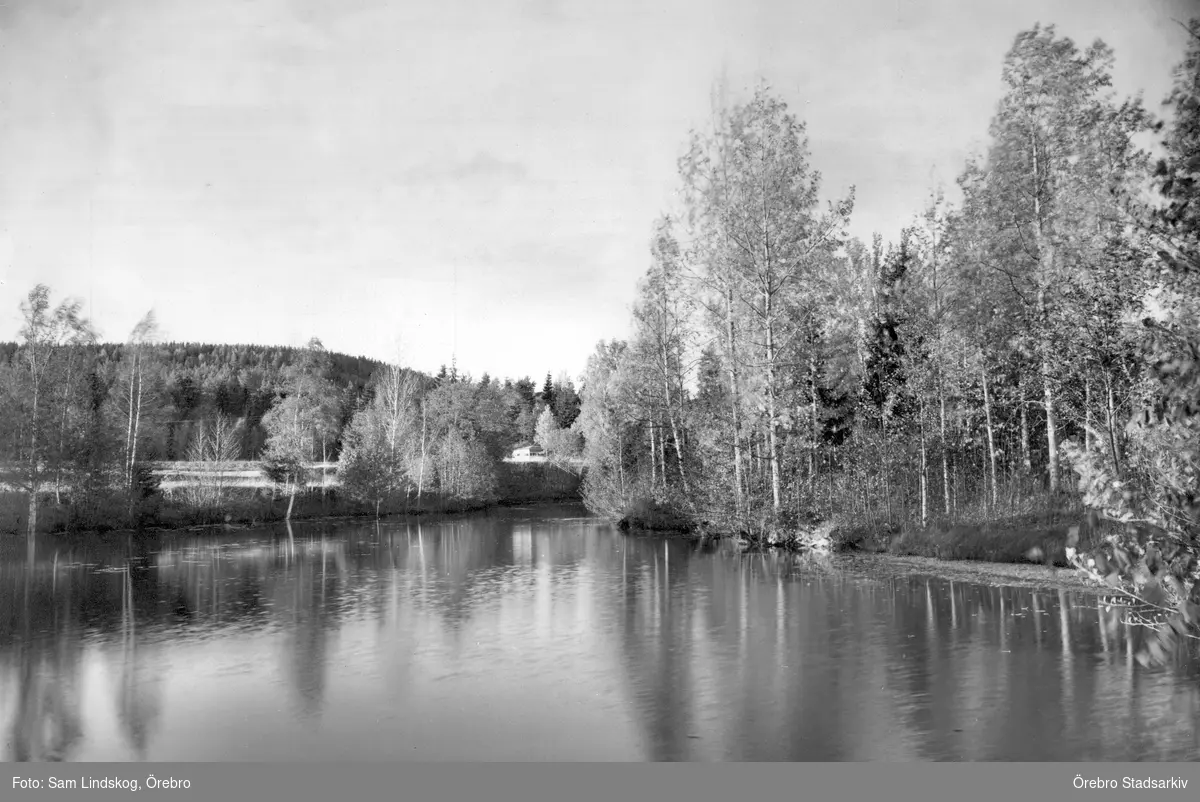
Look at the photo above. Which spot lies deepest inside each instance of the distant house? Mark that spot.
(525, 452)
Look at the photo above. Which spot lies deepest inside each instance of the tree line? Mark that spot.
(83, 423)
(1036, 340)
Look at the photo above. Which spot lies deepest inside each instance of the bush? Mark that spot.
(1025, 539)
(648, 515)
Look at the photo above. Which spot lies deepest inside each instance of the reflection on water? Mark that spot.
(541, 634)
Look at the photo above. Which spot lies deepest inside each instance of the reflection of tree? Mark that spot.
(47, 725)
(309, 635)
(138, 694)
(655, 643)
(466, 566)
(728, 656)
(820, 695)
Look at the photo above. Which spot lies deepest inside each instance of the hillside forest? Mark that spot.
(83, 423)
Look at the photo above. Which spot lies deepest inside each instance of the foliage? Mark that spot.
(1154, 490)
(85, 423)
(217, 445)
(780, 377)
(381, 441)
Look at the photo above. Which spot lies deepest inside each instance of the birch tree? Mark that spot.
(383, 439)
(297, 421)
(217, 443)
(663, 319)
(33, 407)
(756, 195)
(1035, 193)
(136, 385)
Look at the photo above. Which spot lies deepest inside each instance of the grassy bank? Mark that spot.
(1034, 533)
(252, 506)
(1037, 536)
(533, 482)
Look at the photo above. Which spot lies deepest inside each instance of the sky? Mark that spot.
(475, 179)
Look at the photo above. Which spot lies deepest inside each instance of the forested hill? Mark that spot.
(201, 380)
(209, 363)
(189, 385)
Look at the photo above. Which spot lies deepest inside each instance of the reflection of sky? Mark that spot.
(537, 640)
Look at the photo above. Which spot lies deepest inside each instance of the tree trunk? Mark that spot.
(991, 436)
(421, 470)
(129, 428)
(1112, 429)
(62, 431)
(816, 431)
(887, 476)
(661, 441)
(1045, 266)
(137, 423)
(675, 437)
(1051, 423)
(1087, 414)
(945, 453)
(1026, 450)
(734, 399)
(33, 513)
(772, 439)
(291, 501)
(34, 463)
(924, 469)
(653, 458)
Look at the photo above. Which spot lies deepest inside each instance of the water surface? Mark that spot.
(542, 634)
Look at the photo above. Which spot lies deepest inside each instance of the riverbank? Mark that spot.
(245, 507)
(1026, 549)
(1034, 537)
(1027, 537)
(992, 574)
(237, 517)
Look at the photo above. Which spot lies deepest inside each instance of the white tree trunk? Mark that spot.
(734, 399)
(944, 449)
(772, 439)
(987, 411)
(924, 469)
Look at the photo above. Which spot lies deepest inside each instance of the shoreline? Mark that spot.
(882, 563)
(237, 525)
(993, 574)
(868, 564)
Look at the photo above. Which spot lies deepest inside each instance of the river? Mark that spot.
(543, 634)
